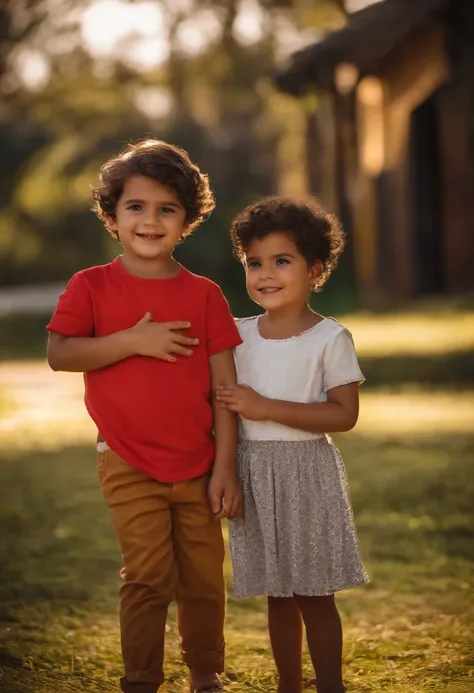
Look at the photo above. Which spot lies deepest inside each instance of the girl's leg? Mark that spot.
(324, 635)
(286, 636)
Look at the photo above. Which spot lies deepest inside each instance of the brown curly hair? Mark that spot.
(165, 163)
(318, 235)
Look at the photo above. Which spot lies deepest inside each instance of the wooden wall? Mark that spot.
(382, 213)
(364, 167)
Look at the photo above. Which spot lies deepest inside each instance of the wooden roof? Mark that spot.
(368, 37)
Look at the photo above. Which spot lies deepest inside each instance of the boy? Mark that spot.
(165, 476)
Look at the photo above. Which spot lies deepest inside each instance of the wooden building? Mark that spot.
(390, 146)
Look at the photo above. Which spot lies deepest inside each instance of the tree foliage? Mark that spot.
(54, 138)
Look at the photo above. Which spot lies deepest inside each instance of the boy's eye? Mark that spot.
(253, 265)
(282, 261)
(135, 208)
(167, 210)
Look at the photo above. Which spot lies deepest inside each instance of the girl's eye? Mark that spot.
(167, 210)
(282, 260)
(135, 208)
(253, 265)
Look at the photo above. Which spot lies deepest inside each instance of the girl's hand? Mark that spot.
(243, 400)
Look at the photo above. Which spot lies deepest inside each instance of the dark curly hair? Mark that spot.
(165, 163)
(318, 235)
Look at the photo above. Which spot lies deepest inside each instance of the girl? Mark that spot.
(298, 380)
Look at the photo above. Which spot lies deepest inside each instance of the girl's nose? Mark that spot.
(151, 220)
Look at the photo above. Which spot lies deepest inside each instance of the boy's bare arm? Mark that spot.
(224, 490)
(146, 338)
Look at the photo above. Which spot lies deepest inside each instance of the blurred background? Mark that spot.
(368, 105)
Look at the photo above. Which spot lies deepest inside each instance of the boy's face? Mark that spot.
(277, 275)
(149, 218)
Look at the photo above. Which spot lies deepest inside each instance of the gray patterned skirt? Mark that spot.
(298, 535)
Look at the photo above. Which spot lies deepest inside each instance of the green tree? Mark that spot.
(54, 139)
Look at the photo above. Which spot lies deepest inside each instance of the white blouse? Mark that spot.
(298, 369)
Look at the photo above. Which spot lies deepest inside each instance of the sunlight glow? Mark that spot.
(138, 34)
(145, 53)
(31, 421)
(370, 95)
(411, 333)
(248, 27)
(154, 102)
(107, 24)
(28, 420)
(356, 5)
(33, 68)
(197, 32)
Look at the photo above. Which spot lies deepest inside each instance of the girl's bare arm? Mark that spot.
(339, 413)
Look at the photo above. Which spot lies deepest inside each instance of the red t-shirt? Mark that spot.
(156, 415)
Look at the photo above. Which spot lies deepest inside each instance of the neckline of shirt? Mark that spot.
(117, 265)
(293, 337)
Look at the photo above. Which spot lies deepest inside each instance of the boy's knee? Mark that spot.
(151, 577)
(133, 594)
(199, 586)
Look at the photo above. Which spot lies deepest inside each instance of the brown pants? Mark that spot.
(172, 547)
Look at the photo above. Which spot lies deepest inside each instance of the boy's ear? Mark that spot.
(111, 225)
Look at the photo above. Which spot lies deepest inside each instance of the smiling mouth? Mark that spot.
(150, 236)
(270, 290)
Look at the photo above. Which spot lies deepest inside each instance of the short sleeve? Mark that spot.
(340, 364)
(74, 316)
(221, 329)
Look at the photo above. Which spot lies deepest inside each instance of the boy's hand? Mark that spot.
(243, 400)
(161, 339)
(225, 495)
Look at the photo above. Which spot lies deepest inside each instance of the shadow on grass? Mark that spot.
(23, 336)
(436, 369)
(413, 501)
(57, 542)
(413, 505)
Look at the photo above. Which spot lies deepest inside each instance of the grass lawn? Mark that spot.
(410, 466)
(410, 630)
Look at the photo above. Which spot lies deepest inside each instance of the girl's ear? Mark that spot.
(184, 233)
(315, 272)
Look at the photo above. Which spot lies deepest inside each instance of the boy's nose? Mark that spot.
(266, 273)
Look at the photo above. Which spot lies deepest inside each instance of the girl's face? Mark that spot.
(278, 276)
